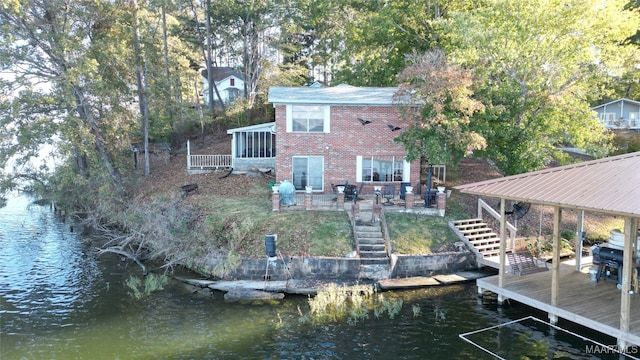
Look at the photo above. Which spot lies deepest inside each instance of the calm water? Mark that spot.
(59, 301)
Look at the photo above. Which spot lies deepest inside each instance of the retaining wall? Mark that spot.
(433, 264)
(329, 268)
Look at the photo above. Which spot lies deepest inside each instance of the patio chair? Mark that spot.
(388, 192)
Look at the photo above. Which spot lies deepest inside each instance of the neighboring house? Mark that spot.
(330, 135)
(620, 114)
(229, 81)
(253, 147)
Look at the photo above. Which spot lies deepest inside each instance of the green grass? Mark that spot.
(421, 234)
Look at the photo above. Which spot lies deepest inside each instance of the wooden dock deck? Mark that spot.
(580, 300)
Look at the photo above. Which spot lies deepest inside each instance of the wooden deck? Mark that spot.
(580, 300)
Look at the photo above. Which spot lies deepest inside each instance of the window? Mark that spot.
(232, 82)
(233, 94)
(308, 171)
(259, 144)
(382, 169)
(307, 118)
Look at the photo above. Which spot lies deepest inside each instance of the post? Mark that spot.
(579, 239)
(555, 264)
(308, 197)
(630, 236)
(441, 200)
(503, 247)
(340, 201)
(275, 198)
(408, 200)
(188, 155)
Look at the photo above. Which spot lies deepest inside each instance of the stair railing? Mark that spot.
(385, 233)
(482, 205)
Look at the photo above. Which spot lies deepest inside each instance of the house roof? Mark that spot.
(270, 126)
(221, 73)
(609, 185)
(341, 94)
(616, 101)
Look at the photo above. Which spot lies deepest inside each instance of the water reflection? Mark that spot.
(58, 301)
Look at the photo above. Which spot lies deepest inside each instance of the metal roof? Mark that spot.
(341, 94)
(609, 185)
(270, 126)
(622, 100)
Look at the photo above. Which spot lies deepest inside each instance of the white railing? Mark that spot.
(512, 229)
(208, 161)
(202, 162)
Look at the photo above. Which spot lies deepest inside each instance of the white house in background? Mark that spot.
(228, 80)
(620, 114)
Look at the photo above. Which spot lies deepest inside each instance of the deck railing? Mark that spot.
(209, 161)
(202, 162)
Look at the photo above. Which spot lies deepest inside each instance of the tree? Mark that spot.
(539, 64)
(438, 99)
(379, 34)
(47, 47)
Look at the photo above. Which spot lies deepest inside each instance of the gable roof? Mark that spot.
(609, 185)
(616, 101)
(341, 94)
(221, 73)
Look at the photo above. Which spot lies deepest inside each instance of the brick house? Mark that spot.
(329, 135)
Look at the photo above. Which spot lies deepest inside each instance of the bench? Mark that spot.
(189, 188)
(523, 263)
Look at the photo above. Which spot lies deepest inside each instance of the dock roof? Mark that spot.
(610, 185)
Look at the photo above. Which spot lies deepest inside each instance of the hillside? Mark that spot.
(167, 180)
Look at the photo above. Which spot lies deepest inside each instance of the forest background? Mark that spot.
(502, 80)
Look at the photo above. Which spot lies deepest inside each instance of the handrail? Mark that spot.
(385, 232)
(512, 229)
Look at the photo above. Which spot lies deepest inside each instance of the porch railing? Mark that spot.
(200, 162)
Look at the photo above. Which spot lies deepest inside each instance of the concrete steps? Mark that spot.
(371, 244)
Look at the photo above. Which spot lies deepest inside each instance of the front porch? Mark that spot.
(595, 305)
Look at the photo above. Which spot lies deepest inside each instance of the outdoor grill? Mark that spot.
(609, 261)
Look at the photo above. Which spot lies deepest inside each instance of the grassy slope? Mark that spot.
(232, 215)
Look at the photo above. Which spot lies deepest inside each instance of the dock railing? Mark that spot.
(482, 205)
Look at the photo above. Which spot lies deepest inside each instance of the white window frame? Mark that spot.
(326, 118)
(405, 166)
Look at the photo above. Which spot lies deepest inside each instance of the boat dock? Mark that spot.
(595, 305)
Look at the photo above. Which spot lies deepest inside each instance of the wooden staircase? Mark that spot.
(478, 236)
(371, 244)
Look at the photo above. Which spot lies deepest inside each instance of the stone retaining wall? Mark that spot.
(329, 268)
(432, 264)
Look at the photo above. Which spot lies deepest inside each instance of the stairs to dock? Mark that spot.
(479, 237)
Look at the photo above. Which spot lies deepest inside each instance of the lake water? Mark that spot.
(58, 300)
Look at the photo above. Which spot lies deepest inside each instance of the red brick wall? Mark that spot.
(347, 139)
